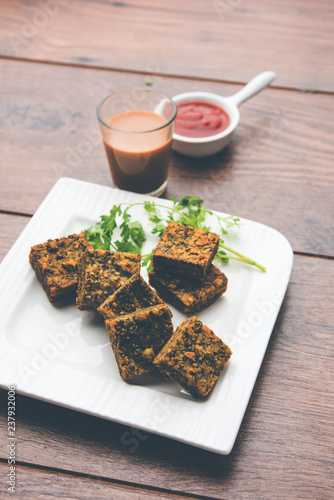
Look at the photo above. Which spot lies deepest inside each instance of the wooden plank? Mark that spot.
(278, 169)
(32, 483)
(11, 227)
(284, 448)
(230, 40)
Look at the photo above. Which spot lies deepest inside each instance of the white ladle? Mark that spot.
(205, 146)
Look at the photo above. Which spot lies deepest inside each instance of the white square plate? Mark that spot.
(63, 356)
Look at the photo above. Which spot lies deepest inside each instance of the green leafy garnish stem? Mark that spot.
(241, 258)
(246, 260)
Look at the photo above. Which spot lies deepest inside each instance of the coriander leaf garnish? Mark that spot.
(108, 222)
(188, 211)
(131, 237)
(137, 234)
(98, 237)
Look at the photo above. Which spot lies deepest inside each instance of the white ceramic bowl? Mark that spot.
(205, 146)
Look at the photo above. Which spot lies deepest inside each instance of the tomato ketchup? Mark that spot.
(200, 119)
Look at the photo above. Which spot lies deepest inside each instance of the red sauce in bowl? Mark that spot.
(200, 119)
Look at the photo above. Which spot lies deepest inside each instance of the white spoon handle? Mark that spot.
(253, 87)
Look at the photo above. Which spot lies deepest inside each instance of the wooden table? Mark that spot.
(58, 58)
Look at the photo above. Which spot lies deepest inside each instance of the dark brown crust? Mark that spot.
(189, 295)
(134, 295)
(194, 357)
(55, 263)
(136, 339)
(101, 272)
(185, 250)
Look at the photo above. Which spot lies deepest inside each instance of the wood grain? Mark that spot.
(229, 40)
(284, 448)
(32, 483)
(278, 169)
(11, 227)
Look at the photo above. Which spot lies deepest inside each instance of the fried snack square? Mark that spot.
(189, 295)
(101, 272)
(194, 357)
(134, 295)
(55, 263)
(185, 250)
(138, 337)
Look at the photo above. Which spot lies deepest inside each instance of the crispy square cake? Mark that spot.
(101, 272)
(56, 265)
(189, 295)
(134, 295)
(194, 357)
(185, 250)
(138, 337)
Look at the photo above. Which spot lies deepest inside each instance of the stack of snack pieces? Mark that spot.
(138, 322)
(183, 274)
(139, 325)
(194, 357)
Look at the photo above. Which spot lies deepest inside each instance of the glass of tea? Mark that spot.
(137, 129)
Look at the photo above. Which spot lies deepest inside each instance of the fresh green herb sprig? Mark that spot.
(189, 211)
(131, 233)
